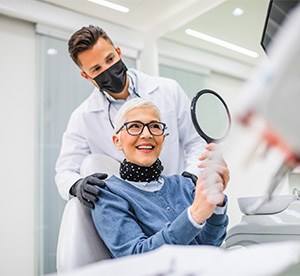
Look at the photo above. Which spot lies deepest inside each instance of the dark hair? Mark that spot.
(84, 39)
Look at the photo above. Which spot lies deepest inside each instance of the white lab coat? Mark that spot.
(89, 131)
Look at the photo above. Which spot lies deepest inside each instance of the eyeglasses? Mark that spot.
(135, 128)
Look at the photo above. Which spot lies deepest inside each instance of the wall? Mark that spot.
(17, 146)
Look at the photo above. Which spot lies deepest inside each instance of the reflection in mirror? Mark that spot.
(210, 115)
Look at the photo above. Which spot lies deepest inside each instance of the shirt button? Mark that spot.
(168, 208)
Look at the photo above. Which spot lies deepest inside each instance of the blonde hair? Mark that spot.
(128, 106)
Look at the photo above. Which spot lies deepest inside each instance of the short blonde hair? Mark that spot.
(128, 106)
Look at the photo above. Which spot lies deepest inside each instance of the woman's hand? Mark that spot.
(207, 196)
(211, 184)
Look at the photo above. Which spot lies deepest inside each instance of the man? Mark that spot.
(90, 127)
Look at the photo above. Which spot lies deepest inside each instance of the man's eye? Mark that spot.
(110, 60)
(96, 69)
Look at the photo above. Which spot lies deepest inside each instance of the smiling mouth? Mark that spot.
(145, 147)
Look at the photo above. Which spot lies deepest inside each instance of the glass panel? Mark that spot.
(191, 82)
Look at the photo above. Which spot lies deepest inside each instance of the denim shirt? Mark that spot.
(132, 221)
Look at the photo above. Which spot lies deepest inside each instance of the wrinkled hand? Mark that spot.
(213, 160)
(85, 190)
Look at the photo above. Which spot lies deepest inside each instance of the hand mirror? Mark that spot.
(210, 116)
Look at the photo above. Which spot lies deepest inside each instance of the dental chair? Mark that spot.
(78, 240)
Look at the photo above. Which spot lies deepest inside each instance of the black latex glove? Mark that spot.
(191, 176)
(85, 190)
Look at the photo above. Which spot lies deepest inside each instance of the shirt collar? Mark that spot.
(131, 89)
(143, 84)
(151, 186)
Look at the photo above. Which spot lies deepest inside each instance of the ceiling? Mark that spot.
(168, 19)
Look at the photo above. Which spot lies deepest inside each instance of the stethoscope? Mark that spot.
(110, 102)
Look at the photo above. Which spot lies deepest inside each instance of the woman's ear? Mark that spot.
(116, 141)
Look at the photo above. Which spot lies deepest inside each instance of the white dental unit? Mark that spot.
(273, 95)
(278, 220)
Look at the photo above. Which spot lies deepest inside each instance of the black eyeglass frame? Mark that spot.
(164, 127)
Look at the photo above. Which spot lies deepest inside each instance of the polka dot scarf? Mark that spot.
(132, 172)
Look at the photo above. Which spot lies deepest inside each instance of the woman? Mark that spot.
(141, 209)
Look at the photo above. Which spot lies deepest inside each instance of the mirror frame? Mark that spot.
(207, 138)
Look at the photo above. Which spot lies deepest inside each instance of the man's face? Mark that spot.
(98, 59)
(145, 148)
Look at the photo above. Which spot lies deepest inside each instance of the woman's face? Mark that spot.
(143, 149)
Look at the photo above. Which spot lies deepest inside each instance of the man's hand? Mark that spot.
(85, 190)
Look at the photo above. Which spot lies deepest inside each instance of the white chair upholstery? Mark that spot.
(78, 240)
(99, 163)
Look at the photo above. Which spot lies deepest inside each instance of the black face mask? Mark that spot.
(113, 79)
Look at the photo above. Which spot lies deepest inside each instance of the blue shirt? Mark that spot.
(131, 221)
